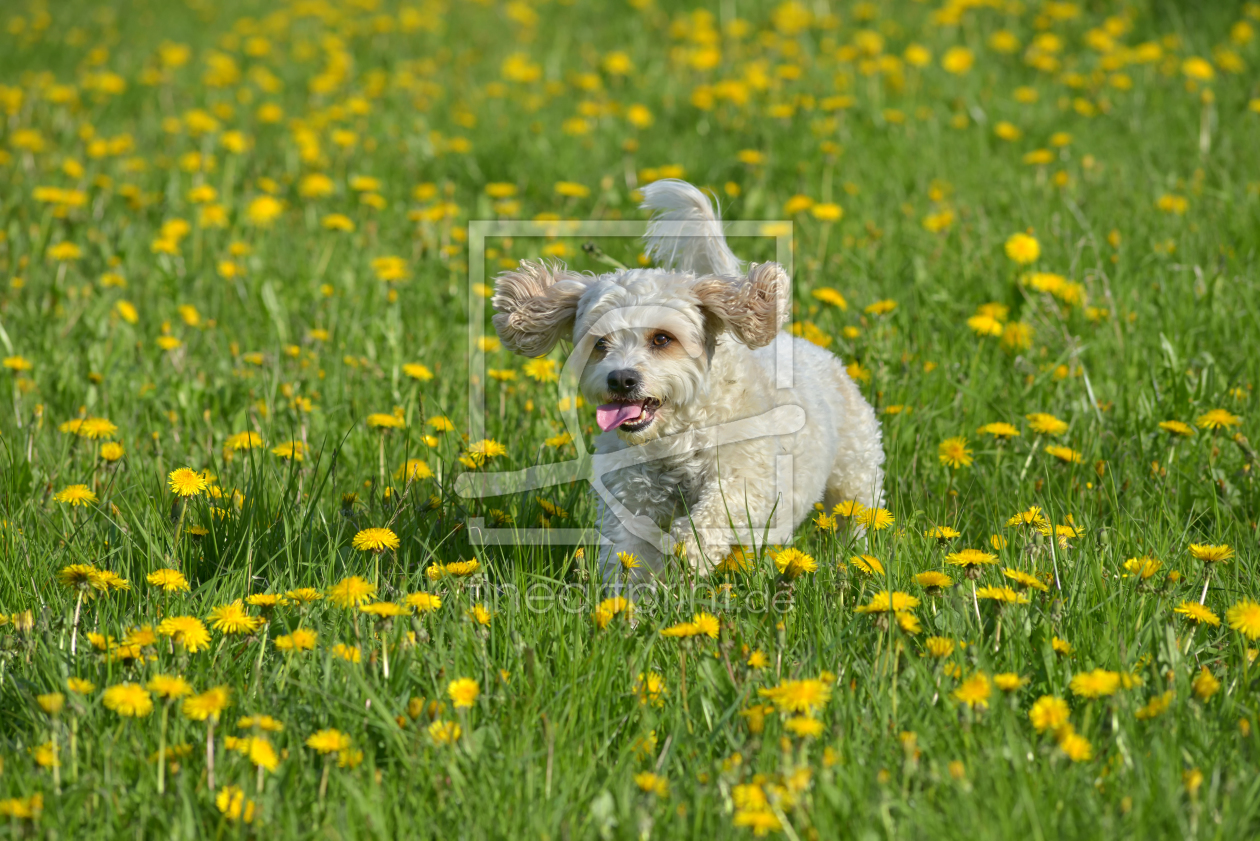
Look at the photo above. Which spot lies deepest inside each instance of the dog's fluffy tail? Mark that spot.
(685, 232)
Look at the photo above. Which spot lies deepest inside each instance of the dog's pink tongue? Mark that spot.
(612, 415)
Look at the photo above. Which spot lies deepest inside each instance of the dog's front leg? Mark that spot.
(705, 533)
(719, 520)
(625, 535)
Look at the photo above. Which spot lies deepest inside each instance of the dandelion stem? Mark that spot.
(1031, 452)
(384, 654)
(74, 626)
(325, 258)
(56, 764)
(381, 453)
(161, 769)
(262, 649)
(74, 748)
(682, 655)
(323, 779)
(210, 753)
(1207, 577)
(551, 752)
(179, 529)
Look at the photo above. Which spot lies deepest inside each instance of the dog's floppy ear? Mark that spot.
(752, 307)
(535, 305)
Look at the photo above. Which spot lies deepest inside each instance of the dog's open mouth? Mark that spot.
(630, 416)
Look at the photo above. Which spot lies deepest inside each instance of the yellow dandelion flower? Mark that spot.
(349, 653)
(187, 482)
(444, 732)
(793, 563)
(375, 540)
(1177, 427)
(328, 741)
(413, 470)
(186, 631)
(128, 699)
(1009, 682)
(51, 703)
(292, 450)
(1030, 517)
(232, 619)
(304, 595)
(423, 602)
(1022, 249)
(1065, 454)
(1048, 713)
(82, 577)
(1046, 424)
(1155, 707)
(170, 687)
(302, 639)
(384, 610)
(832, 297)
(933, 580)
(1211, 554)
(1244, 617)
(79, 686)
(208, 705)
(886, 602)
(1095, 684)
(649, 688)
(96, 428)
(1075, 746)
(463, 692)
(974, 691)
(804, 726)
(1023, 579)
(243, 441)
(971, 558)
(1197, 613)
(850, 508)
(1004, 595)
(876, 519)
(1217, 419)
(75, 495)
(352, 591)
(868, 564)
(802, 697)
(999, 430)
(1205, 684)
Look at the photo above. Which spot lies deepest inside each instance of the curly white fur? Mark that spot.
(699, 247)
(716, 366)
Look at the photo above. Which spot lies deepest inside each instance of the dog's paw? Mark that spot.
(685, 547)
(699, 555)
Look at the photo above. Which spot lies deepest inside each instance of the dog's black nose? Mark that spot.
(623, 380)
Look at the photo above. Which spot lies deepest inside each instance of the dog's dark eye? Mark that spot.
(601, 345)
(661, 339)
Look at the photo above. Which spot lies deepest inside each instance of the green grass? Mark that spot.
(1165, 331)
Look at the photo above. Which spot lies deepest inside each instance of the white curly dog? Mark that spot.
(719, 429)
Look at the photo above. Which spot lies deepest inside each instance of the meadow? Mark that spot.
(240, 595)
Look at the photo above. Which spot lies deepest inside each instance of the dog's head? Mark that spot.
(647, 335)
